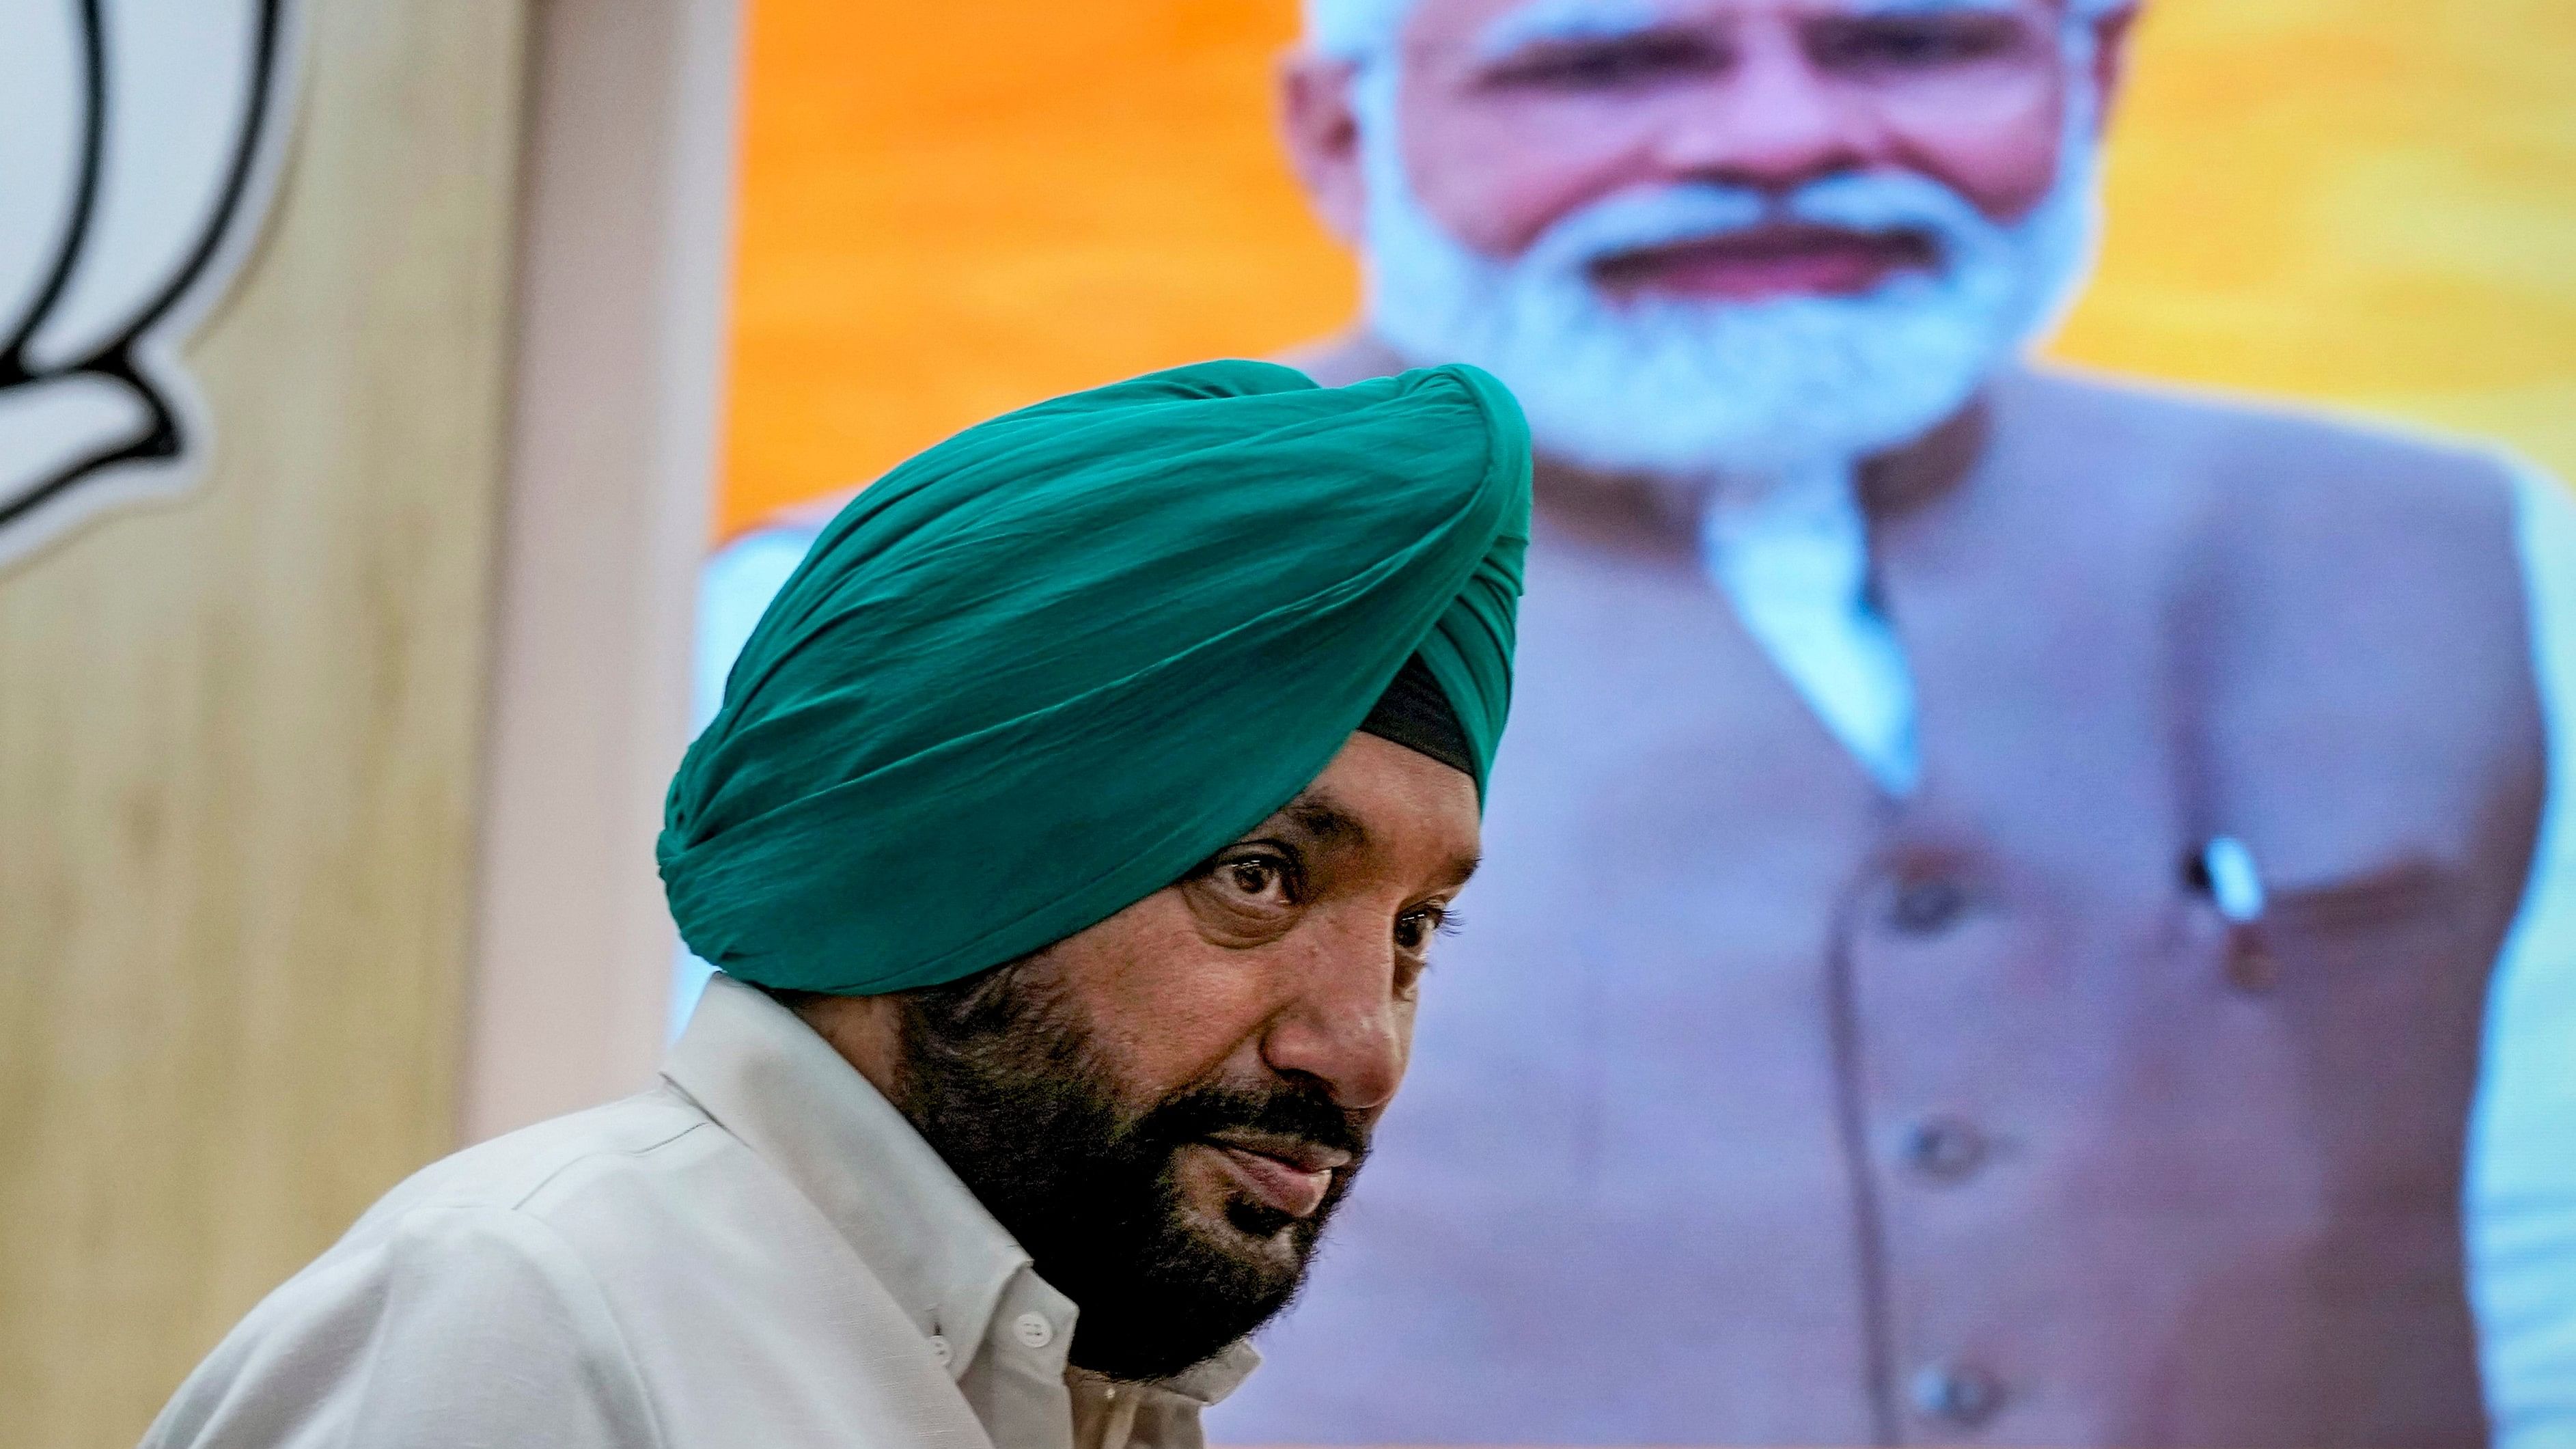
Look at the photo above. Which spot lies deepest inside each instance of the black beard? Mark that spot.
(1000, 1075)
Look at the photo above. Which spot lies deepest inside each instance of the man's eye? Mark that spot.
(1414, 929)
(1257, 876)
(1605, 66)
(1913, 42)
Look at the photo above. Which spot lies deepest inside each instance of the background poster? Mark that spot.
(949, 211)
(2358, 206)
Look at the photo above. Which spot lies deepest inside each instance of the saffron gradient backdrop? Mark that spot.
(950, 210)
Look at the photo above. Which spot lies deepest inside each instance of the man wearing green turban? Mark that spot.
(1070, 841)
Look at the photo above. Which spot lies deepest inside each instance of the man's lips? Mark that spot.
(1768, 261)
(1286, 1173)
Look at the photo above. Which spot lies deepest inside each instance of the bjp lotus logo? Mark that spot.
(137, 141)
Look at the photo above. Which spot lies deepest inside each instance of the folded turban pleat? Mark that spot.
(1042, 670)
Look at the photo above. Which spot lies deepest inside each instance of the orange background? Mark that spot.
(951, 210)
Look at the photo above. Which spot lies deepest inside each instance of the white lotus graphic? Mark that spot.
(138, 139)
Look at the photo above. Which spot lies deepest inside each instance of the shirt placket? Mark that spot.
(1024, 1398)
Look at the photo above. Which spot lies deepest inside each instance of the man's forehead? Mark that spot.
(1502, 27)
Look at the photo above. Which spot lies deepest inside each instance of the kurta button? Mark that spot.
(939, 1349)
(1032, 1330)
(1956, 1395)
(1944, 1147)
(1928, 907)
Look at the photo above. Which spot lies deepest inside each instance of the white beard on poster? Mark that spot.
(139, 142)
(1693, 388)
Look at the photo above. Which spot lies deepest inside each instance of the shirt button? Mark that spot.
(939, 1349)
(1944, 1148)
(1032, 1330)
(1928, 907)
(1957, 1395)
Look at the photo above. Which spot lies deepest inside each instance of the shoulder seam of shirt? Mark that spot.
(519, 1203)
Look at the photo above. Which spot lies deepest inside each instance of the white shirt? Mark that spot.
(1794, 561)
(2522, 1136)
(760, 1251)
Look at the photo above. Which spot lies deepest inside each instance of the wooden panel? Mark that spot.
(952, 210)
(621, 289)
(238, 739)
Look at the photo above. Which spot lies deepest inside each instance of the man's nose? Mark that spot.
(1343, 1025)
(1773, 121)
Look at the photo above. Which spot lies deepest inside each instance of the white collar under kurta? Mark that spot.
(757, 1251)
(766, 1077)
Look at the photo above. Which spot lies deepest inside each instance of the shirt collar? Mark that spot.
(767, 1078)
(1207, 1383)
(771, 1081)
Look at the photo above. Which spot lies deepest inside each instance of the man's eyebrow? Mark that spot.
(1460, 870)
(1326, 822)
(1565, 22)
(1322, 819)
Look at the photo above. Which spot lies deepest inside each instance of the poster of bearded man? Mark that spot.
(1991, 913)
(2021, 904)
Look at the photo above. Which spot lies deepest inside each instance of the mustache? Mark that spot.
(1302, 1110)
(964, 1031)
(1647, 217)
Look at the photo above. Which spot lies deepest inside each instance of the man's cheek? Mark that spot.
(1492, 176)
(1186, 1024)
(2003, 160)
(1158, 1003)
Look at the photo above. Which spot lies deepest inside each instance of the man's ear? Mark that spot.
(2111, 32)
(1323, 137)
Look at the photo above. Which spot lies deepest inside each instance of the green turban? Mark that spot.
(1042, 670)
